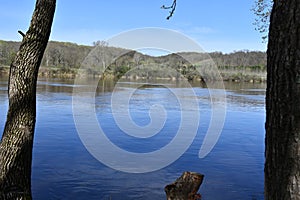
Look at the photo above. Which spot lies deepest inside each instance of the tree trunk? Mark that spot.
(282, 167)
(17, 138)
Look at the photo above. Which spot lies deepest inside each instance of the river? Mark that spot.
(63, 168)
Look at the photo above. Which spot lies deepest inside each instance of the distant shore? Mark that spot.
(228, 75)
(64, 59)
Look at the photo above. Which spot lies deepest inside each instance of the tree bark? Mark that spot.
(17, 139)
(282, 167)
(185, 187)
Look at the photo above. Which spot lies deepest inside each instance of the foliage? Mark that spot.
(64, 59)
(262, 9)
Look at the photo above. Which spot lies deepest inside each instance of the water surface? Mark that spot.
(64, 169)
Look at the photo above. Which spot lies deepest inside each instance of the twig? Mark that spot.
(172, 8)
(23, 34)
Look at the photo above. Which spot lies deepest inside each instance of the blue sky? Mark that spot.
(217, 25)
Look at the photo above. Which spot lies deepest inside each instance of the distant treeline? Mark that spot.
(65, 59)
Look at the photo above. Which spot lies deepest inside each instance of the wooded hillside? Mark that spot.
(64, 59)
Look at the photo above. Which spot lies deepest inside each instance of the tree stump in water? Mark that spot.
(185, 187)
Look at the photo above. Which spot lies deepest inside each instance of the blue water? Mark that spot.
(64, 169)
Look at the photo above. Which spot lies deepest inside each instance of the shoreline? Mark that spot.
(71, 73)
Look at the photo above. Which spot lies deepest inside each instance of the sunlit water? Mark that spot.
(64, 169)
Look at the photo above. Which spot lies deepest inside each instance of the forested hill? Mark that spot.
(66, 58)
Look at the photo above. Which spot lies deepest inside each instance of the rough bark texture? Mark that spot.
(282, 167)
(17, 138)
(185, 187)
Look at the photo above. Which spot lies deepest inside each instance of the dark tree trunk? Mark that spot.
(17, 138)
(282, 167)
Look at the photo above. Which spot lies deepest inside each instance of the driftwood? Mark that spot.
(185, 187)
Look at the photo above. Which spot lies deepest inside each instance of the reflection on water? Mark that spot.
(63, 168)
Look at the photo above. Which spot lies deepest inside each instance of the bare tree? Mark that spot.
(17, 139)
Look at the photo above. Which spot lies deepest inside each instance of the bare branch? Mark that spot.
(23, 34)
(172, 8)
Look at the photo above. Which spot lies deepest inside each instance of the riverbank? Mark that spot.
(243, 74)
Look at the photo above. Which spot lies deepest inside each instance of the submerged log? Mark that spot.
(185, 187)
